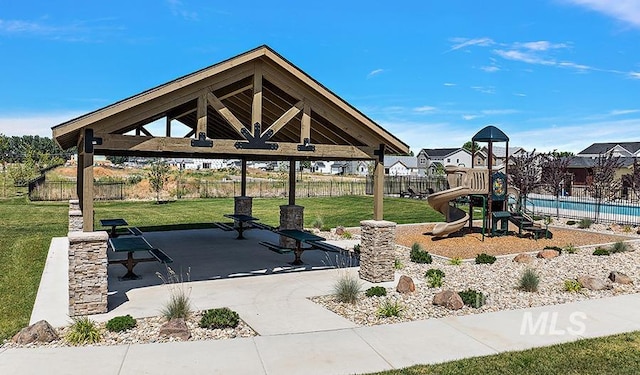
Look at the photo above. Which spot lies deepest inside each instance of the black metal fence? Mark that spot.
(394, 185)
(65, 190)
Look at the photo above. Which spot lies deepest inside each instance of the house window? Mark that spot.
(448, 160)
(457, 160)
(423, 161)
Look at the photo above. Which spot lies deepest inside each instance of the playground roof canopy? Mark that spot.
(490, 134)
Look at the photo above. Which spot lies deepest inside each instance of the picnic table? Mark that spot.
(132, 245)
(114, 224)
(241, 218)
(299, 236)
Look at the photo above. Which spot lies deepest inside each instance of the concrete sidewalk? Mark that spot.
(299, 337)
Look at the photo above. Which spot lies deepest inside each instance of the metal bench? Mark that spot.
(224, 226)
(327, 247)
(135, 231)
(276, 248)
(160, 256)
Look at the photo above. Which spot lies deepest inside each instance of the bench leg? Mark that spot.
(130, 264)
(298, 253)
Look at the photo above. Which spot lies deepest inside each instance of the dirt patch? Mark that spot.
(470, 244)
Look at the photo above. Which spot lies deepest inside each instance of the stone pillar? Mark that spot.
(87, 273)
(377, 250)
(242, 206)
(75, 216)
(291, 217)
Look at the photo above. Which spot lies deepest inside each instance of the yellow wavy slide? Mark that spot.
(455, 217)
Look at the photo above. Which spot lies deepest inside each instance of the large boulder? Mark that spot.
(593, 283)
(40, 331)
(523, 258)
(548, 254)
(620, 278)
(177, 328)
(449, 299)
(405, 285)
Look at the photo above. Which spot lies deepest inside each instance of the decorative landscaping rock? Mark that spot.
(340, 230)
(39, 332)
(548, 254)
(523, 258)
(620, 278)
(593, 283)
(405, 285)
(449, 299)
(175, 328)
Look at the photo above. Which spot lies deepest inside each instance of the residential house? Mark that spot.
(499, 155)
(400, 165)
(430, 159)
(622, 149)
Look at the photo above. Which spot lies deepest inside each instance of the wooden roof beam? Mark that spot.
(225, 113)
(285, 118)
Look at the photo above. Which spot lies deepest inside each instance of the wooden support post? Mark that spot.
(305, 131)
(292, 182)
(256, 106)
(201, 127)
(86, 205)
(378, 184)
(243, 180)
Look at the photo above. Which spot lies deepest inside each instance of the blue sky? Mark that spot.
(552, 74)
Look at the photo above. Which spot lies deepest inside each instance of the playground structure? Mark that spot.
(484, 187)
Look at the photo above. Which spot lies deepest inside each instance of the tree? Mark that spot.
(117, 159)
(605, 185)
(554, 172)
(525, 173)
(471, 146)
(633, 180)
(158, 176)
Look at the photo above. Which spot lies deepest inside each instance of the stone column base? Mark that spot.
(75, 221)
(242, 206)
(291, 217)
(87, 273)
(377, 250)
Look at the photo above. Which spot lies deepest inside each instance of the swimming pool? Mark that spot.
(610, 211)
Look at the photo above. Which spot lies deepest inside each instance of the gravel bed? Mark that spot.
(147, 331)
(497, 281)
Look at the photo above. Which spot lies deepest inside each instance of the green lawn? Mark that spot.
(26, 229)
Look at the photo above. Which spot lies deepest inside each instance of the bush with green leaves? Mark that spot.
(318, 223)
(434, 271)
(376, 291)
(585, 223)
(435, 280)
(619, 247)
(121, 323)
(473, 298)
(485, 259)
(219, 318)
(356, 249)
(601, 251)
(178, 306)
(346, 235)
(347, 288)
(556, 248)
(397, 264)
(570, 249)
(572, 285)
(418, 255)
(83, 331)
(389, 308)
(456, 261)
(571, 222)
(529, 281)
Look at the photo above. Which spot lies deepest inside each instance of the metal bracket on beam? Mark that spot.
(257, 141)
(380, 153)
(202, 141)
(306, 146)
(90, 141)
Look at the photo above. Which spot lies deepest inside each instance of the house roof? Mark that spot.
(219, 101)
(410, 162)
(441, 152)
(499, 152)
(589, 162)
(603, 148)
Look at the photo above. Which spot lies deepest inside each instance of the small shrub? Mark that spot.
(325, 228)
(570, 249)
(121, 323)
(219, 318)
(356, 249)
(585, 223)
(455, 261)
(178, 306)
(571, 222)
(626, 229)
(556, 248)
(376, 291)
(347, 288)
(435, 280)
(601, 251)
(619, 247)
(472, 298)
(485, 259)
(397, 264)
(390, 308)
(347, 235)
(572, 286)
(418, 255)
(529, 281)
(83, 331)
(317, 223)
(434, 271)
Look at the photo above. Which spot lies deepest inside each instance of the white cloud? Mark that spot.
(499, 111)
(627, 11)
(39, 124)
(374, 73)
(634, 75)
(484, 89)
(78, 31)
(178, 9)
(619, 112)
(541, 45)
(425, 108)
(449, 84)
(470, 117)
(520, 94)
(465, 42)
(490, 69)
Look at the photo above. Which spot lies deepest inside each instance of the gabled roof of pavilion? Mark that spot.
(256, 105)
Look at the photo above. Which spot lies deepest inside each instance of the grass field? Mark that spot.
(26, 230)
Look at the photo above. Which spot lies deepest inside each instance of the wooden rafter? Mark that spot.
(285, 118)
(256, 104)
(225, 113)
(201, 126)
(305, 124)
